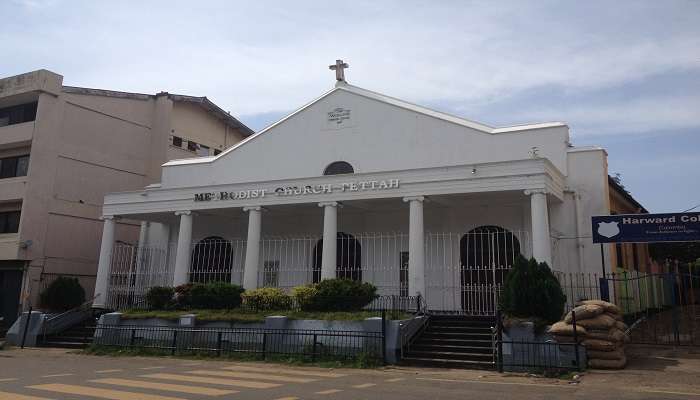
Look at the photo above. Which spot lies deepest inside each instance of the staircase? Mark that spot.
(75, 337)
(454, 341)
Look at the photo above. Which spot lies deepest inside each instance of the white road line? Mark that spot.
(108, 371)
(394, 380)
(56, 375)
(253, 375)
(364, 385)
(330, 391)
(670, 392)
(496, 383)
(147, 368)
(286, 371)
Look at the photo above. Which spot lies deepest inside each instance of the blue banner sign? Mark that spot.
(641, 228)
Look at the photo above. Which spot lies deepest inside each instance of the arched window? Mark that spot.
(348, 258)
(211, 260)
(486, 254)
(338, 167)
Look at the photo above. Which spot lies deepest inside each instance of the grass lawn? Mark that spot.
(237, 315)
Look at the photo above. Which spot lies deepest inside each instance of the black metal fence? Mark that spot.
(537, 356)
(660, 308)
(311, 345)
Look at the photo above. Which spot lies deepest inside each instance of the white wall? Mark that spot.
(382, 137)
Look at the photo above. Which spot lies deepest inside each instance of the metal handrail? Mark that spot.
(55, 320)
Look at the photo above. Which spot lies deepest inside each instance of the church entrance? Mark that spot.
(348, 258)
(486, 254)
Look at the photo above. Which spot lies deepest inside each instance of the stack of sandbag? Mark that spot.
(605, 333)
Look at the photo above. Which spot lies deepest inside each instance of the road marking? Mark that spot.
(191, 364)
(8, 379)
(170, 387)
(288, 398)
(251, 375)
(671, 392)
(56, 375)
(330, 391)
(17, 396)
(215, 381)
(364, 385)
(101, 393)
(394, 380)
(496, 383)
(286, 371)
(146, 368)
(108, 371)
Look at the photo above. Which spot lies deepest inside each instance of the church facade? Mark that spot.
(360, 185)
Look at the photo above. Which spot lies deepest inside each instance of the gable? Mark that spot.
(371, 132)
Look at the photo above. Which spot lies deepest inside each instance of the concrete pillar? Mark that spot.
(105, 262)
(541, 241)
(183, 254)
(330, 235)
(141, 254)
(416, 246)
(252, 248)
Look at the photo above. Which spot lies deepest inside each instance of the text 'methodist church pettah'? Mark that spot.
(361, 185)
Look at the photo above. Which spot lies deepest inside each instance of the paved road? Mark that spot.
(55, 374)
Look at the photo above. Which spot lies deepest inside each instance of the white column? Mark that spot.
(183, 254)
(141, 256)
(252, 248)
(416, 246)
(330, 235)
(541, 241)
(105, 262)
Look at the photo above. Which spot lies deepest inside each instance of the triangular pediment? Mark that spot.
(373, 133)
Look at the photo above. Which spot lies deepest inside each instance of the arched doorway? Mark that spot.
(348, 258)
(211, 260)
(486, 254)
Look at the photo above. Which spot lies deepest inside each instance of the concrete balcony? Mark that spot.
(16, 135)
(9, 246)
(13, 189)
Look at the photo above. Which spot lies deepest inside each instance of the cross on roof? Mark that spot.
(339, 68)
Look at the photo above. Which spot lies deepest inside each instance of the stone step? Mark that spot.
(454, 342)
(450, 355)
(456, 335)
(458, 349)
(445, 363)
(64, 344)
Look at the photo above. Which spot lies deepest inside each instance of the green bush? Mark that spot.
(267, 299)
(183, 295)
(160, 297)
(62, 294)
(304, 296)
(215, 295)
(532, 291)
(336, 295)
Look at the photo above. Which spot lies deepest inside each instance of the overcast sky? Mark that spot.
(622, 74)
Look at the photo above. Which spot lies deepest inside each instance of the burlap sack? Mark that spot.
(563, 329)
(584, 311)
(616, 354)
(621, 326)
(601, 322)
(598, 334)
(609, 307)
(599, 345)
(607, 364)
(565, 339)
(617, 335)
(616, 317)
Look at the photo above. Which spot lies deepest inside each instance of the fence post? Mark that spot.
(418, 304)
(218, 343)
(674, 311)
(174, 345)
(264, 345)
(578, 357)
(384, 337)
(133, 337)
(313, 354)
(26, 326)
(499, 341)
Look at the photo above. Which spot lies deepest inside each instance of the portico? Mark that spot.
(409, 199)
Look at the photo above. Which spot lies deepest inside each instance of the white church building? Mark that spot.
(361, 185)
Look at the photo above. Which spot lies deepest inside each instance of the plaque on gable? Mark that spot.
(339, 117)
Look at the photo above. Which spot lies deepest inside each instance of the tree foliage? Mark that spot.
(532, 291)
